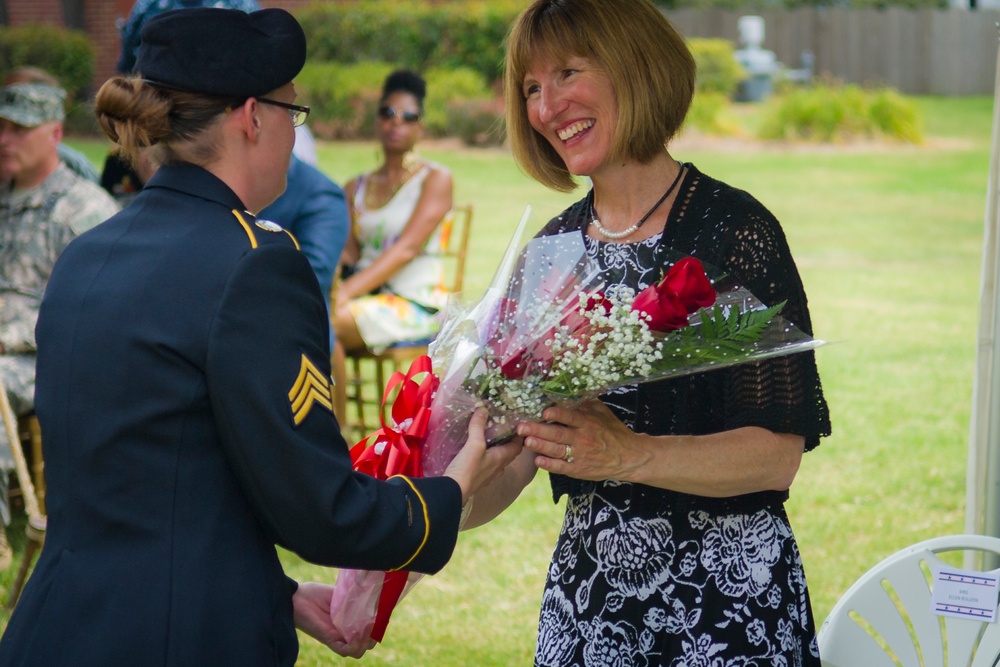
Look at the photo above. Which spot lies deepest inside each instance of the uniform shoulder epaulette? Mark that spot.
(249, 222)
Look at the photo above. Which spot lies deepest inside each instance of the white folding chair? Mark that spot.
(885, 618)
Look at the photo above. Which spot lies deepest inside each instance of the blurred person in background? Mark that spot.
(74, 159)
(43, 206)
(392, 288)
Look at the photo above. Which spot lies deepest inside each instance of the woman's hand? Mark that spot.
(476, 464)
(311, 603)
(590, 443)
(587, 442)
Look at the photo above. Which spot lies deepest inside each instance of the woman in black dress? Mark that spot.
(675, 549)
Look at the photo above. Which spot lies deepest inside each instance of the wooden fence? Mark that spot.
(921, 52)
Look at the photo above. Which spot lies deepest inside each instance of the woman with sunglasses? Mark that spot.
(393, 286)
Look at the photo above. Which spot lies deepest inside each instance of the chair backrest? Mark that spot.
(885, 618)
(451, 242)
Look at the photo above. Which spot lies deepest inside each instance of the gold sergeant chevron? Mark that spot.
(311, 387)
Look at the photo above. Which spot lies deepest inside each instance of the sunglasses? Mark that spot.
(388, 113)
(298, 112)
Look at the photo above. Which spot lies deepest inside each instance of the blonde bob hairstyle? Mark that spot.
(649, 64)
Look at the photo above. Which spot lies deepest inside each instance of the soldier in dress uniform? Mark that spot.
(184, 395)
(43, 206)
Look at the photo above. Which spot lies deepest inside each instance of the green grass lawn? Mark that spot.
(888, 241)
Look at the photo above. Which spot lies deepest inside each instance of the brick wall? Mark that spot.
(34, 11)
(100, 18)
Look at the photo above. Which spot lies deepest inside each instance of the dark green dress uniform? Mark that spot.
(184, 396)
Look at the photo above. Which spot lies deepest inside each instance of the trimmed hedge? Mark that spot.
(411, 33)
(351, 45)
(65, 54)
(718, 70)
(829, 111)
(424, 36)
(344, 97)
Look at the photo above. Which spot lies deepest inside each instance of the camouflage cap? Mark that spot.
(31, 104)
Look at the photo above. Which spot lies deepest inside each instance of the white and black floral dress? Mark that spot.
(643, 576)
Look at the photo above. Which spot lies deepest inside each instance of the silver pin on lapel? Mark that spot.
(269, 226)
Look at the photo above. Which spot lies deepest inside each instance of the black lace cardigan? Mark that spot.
(726, 228)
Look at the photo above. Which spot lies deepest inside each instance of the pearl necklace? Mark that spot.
(634, 228)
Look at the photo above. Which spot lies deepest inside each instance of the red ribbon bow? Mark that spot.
(395, 450)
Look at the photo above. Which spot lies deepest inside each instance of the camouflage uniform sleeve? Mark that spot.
(18, 333)
(84, 206)
(22, 293)
(80, 207)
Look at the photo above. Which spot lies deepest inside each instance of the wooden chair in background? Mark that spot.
(363, 374)
(22, 434)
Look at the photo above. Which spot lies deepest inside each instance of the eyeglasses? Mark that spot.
(298, 112)
(388, 113)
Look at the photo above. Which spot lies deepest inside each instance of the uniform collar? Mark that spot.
(195, 181)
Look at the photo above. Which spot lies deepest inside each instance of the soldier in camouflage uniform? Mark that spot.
(74, 159)
(43, 206)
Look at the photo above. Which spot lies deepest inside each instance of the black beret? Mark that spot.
(222, 51)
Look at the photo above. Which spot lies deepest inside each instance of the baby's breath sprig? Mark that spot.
(612, 345)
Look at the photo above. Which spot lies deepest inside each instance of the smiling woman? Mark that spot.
(675, 548)
(646, 117)
(572, 104)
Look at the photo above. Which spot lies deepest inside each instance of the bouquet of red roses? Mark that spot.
(550, 331)
(547, 331)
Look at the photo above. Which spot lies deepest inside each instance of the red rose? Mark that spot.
(515, 368)
(682, 291)
(688, 281)
(665, 310)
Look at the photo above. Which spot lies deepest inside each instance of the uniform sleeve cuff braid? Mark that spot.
(427, 521)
